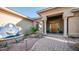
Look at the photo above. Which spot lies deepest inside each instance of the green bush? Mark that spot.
(33, 29)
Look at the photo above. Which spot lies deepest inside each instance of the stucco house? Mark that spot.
(59, 20)
(9, 16)
(55, 20)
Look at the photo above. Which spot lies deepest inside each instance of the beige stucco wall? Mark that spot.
(41, 28)
(6, 17)
(54, 11)
(26, 25)
(73, 28)
(73, 22)
(35, 23)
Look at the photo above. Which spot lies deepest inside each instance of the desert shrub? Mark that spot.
(33, 29)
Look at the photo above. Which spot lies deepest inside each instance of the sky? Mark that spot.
(27, 11)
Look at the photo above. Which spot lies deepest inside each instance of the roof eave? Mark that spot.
(13, 12)
(75, 10)
(46, 9)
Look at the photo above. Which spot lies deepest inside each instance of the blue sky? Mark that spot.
(28, 11)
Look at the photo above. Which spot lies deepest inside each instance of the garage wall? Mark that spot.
(26, 25)
(73, 28)
(6, 17)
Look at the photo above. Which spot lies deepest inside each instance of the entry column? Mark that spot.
(65, 27)
(45, 27)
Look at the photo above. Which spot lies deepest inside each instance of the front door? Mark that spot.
(54, 27)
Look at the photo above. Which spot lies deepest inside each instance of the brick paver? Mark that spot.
(47, 43)
(53, 44)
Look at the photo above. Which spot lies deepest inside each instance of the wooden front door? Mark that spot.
(54, 27)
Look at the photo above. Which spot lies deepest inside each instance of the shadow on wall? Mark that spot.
(25, 26)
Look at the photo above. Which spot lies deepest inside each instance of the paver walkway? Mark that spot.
(46, 43)
(53, 44)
